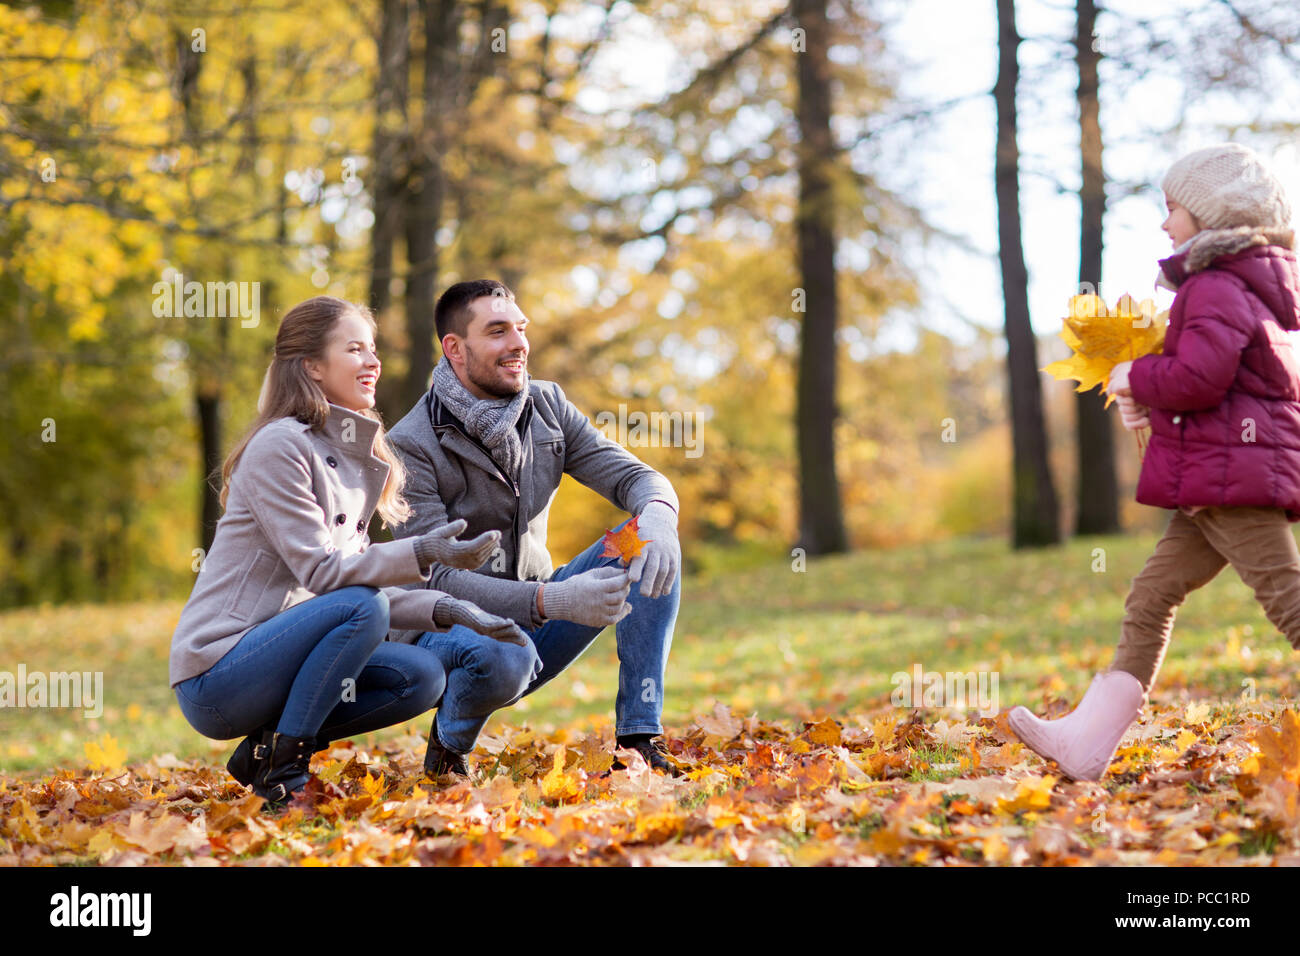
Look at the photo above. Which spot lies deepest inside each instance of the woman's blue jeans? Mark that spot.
(484, 675)
(320, 668)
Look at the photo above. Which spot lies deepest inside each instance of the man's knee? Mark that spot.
(506, 668)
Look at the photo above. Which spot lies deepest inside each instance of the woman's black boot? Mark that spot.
(251, 754)
(285, 767)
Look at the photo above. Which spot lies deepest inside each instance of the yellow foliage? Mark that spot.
(1100, 338)
(105, 753)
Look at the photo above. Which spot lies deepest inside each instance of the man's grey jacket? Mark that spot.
(450, 476)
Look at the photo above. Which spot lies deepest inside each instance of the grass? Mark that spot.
(761, 637)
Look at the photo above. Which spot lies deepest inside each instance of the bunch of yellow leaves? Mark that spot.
(1101, 337)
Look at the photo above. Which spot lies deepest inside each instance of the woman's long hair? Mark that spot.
(287, 390)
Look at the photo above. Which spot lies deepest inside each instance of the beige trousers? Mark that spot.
(1257, 542)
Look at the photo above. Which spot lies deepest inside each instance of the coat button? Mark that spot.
(329, 460)
(1177, 419)
(340, 519)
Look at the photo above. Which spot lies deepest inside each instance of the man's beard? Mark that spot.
(479, 375)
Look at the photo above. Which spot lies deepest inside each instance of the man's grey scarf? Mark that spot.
(492, 421)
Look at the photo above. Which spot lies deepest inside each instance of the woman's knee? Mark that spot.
(202, 716)
(428, 682)
(369, 608)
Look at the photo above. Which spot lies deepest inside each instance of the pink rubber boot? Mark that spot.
(1083, 742)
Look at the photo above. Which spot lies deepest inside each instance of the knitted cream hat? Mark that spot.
(1227, 186)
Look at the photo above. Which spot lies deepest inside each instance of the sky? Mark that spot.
(950, 48)
(957, 163)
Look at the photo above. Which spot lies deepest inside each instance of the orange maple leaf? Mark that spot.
(624, 543)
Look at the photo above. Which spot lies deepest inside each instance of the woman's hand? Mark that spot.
(440, 545)
(449, 611)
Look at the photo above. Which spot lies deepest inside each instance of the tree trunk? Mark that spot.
(387, 183)
(821, 520)
(1035, 518)
(423, 199)
(1098, 488)
(207, 402)
(208, 381)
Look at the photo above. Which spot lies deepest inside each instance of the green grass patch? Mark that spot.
(760, 637)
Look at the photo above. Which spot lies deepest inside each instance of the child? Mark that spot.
(1223, 405)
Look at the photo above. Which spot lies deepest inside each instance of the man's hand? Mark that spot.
(1133, 415)
(1118, 383)
(596, 598)
(440, 545)
(656, 566)
(449, 611)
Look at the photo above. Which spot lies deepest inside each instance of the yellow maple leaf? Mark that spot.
(104, 753)
(1032, 793)
(374, 786)
(1100, 338)
(102, 844)
(994, 849)
(558, 785)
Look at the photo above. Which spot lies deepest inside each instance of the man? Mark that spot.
(488, 445)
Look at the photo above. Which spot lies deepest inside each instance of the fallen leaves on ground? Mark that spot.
(1195, 785)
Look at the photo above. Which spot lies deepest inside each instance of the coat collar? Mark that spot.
(1196, 254)
(350, 432)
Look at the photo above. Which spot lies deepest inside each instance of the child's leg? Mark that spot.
(1084, 742)
(1262, 549)
(1182, 562)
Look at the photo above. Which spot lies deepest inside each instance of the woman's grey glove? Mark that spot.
(595, 598)
(450, 610)
(440, 545)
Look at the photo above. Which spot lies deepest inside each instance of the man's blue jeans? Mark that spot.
(288, 674)
(484, 675)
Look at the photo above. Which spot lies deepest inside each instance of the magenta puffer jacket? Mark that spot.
(1225, 395)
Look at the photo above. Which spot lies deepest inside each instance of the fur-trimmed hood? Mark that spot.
(1261, 258)
(1207, 245)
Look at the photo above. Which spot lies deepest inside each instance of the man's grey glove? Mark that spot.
(656, 566)
(596, 598)
(440, 545)
(450, 610)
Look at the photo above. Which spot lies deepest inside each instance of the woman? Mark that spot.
(282, 638)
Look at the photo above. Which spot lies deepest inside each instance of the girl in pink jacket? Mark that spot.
(1223, 406)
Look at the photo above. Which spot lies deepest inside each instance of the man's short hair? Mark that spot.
(452, 313)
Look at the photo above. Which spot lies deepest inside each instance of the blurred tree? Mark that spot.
(131, 158)
(1097, 487)
(821, 520)
(709, 201)
(1035, 518)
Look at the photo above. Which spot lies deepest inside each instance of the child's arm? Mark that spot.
(1209, 351)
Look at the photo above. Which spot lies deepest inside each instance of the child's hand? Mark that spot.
(1118, 384)
(1133, 415)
